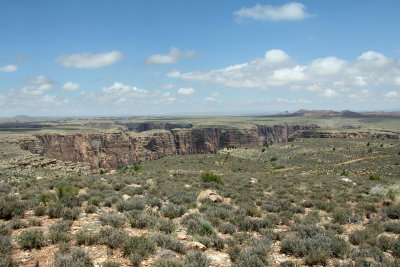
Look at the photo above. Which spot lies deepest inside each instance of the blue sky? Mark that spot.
(106, 58)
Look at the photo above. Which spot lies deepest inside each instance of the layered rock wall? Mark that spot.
(114, 149)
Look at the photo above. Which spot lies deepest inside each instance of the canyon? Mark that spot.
(124, 147)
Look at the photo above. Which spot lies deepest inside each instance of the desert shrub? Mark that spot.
(110, 264)
(385, 242)
(165, 241)
(95, 200)
(273, 159)
(47, 197)
(76, 257)
(154, 202)
(16, 224)
(112, 237)
(29, 239)
(212, 242)
(312, 247)
(39, 210)
(113, 219)
(334, 228)
(71, 213)
(131, 204)
(90, 209)
(396, 248)
(138, 219)
(394, 192)
(211, 177)
(137, 248)
(197, 259)
(55, 210)
(165, 225)
(86, 237)
(173, 211)
(376, 177)
(363, 237)
(7, 261)
(344, 173)
(59, 232)
(368, 252)
(70, 201)
(64, 191)
(392, 211)
(288, 264)
(5, 245)
(168, 263)
(256, 254)
(4, 229)
(341, 216)
(227, 228)
(393, 227)
(11, 207)
(308, 230)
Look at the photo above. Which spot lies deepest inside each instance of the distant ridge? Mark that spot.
(332, 113)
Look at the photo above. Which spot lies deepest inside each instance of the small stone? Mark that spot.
(125, 197)
(253, 181)
(195, 246)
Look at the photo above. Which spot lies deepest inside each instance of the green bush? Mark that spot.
(173, 211)
(112, 237)
(29, 239)
(66, 191)
(139, 219)
(76, 257)
(137, 248)
(197, 259)
(165, 241)
(376, 177)
(11, 207)
(39, 210)
(392, 211)
(168, 263)
(166, 226)
(5, 245)
(59, 232)
(113, 219)
(366, 236)
(86, 237)
(211, 177)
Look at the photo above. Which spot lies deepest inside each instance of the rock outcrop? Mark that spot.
(345, 134)
(110, 150)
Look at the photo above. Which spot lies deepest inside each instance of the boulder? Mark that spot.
(209, 194)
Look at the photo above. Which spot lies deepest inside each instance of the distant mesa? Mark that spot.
(332, 113)
(21, 117)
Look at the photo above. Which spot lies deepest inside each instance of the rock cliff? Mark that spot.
(110, 150)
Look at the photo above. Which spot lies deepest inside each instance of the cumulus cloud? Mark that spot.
(186, 91)
(90, 61)
(69, 86)
(392, 94)
(37, 85)
(212, 97)
(290, 11)
(171, 58)
(167, 86)
(328, 76)
(9, 68)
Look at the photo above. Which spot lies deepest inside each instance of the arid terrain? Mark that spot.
(299, 189)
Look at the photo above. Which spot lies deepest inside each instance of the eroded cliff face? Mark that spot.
(118, 149)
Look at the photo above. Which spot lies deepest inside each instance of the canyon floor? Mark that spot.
(306, 202)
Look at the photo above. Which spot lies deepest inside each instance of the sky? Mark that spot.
(226, 57)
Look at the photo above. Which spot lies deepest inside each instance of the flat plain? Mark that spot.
(310, 201)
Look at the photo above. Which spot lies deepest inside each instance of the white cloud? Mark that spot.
(276, 56)
(120, 90)
(38, 85)
(330, 93)
(328, 76)
(186, 91)
(290, 11)
(172, 57)
(69, 86)
(360, 95)
(41, 79)
(167, 86)
(372, 60)
(9, 68)
(327, 66)
(293, 101)
(90, 61)
(392, 94)
(212, 97)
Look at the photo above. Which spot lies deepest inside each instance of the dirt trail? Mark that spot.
(361, 159)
